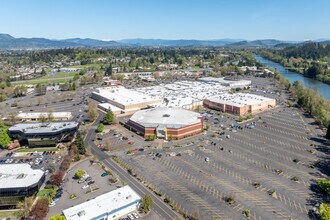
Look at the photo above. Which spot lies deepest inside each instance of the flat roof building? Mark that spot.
(226, 82)
(107, 106)
(167, 123)
(125, 99)
(111, 205)
(44, 133)
(36, 116)
(18, 180)
(239, 103)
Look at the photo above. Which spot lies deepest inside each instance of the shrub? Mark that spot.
(247, 213)
(100, 128)
(79, 173)
(324, 211)
(324, 185)
(151, 137)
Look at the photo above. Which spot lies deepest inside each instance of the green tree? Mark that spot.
(92, 112)
(25, 206)
(50, 116)
(79, 173)
(108, 71)
(324, 211)
(324, 185)
(146, 203)
(4, 137)
(80, 143)
(42, 118)
(57, 217)
(40, 89)
(43, 72)
(109, 117)
(100, 128)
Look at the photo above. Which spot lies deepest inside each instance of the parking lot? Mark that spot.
(71, 186)
(47, 161)
(265, 165)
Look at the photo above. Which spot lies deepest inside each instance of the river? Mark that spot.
(322, 88)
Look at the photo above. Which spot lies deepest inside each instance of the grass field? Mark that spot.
(38, 149)
(59, 77)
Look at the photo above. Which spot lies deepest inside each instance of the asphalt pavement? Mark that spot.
(160, 207)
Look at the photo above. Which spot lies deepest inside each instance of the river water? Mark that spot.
(322, 88)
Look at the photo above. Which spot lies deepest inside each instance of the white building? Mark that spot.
(35, 116)
(111, 205)
(127, 100)
(225, 82)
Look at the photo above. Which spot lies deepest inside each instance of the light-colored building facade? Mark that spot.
(239, 103)
(111, 205)
(167, 123)
(36, 116)
(128, 100)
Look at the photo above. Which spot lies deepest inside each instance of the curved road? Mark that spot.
(160, 207)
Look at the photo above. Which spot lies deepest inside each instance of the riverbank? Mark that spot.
(299, 70)
(322, 88)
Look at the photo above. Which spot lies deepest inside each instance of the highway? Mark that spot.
(160, 207)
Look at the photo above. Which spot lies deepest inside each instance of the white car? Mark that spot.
(135, 215)
(52, 204)
(84, 187)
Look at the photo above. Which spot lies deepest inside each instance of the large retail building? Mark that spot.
(239, 103)
(167, 123)
(128, 100)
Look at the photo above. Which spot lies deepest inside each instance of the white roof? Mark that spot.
(18, 175)
(182, 93)
(124, 96)
(224, 81)
(114, 200)
(168, 117)
(239, 99)
(109, 106)
(51, 127)
(45, 114)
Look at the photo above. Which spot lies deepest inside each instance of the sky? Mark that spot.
(167, 19)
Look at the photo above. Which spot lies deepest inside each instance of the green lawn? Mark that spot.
(59, 77)
(44, 192)
(38, 149)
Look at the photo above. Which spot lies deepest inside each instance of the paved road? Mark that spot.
(160, 207)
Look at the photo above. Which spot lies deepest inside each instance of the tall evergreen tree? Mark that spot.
(109, 117)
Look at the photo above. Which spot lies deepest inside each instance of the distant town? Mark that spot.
(162, 133)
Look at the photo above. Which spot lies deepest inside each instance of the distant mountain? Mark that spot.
(9, 42)
(178, 43)
(257, 43)
(91, 42)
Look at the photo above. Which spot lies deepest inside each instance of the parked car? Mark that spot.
(84, 186)
(104, 174)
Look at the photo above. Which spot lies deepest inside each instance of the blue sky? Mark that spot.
(167, 19)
